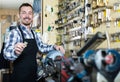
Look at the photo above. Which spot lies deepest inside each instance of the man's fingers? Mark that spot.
(18, 52)
(60, 48)
(19, 47)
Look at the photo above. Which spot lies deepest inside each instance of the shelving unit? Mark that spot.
(69, 21)
(80, 19)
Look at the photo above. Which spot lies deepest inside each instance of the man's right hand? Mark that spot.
(19, 47)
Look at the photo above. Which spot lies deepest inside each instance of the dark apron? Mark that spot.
(25, 66)
(4, 64)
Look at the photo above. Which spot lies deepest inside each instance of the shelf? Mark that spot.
(74, 29)
(102, 8)
(76, 38)
(70, 21)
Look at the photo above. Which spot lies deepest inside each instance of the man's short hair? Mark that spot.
(25, 4)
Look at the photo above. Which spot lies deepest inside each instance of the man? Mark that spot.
(21, 46)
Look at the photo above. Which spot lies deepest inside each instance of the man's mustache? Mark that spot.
(27, 18)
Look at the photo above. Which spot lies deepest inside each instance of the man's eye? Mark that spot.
(30, 13)
(23, 12)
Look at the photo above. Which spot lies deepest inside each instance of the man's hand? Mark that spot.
(19, 47)
(60, 48)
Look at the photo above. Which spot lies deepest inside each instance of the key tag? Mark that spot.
(25, 44)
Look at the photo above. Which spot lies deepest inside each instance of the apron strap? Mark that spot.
(23, 34)
(33, 34)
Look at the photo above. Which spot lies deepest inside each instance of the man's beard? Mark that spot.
(26, 24)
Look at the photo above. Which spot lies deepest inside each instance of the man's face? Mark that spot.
(26, 15)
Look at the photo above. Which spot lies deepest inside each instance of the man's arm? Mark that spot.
(45, 47)
(10, 41)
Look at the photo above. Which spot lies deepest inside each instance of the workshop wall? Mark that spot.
(50, 9)
(11, 14)
(7, 16)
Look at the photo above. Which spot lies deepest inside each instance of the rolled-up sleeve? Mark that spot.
(43, 47)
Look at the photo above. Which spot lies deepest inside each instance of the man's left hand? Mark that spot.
(60, 48)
